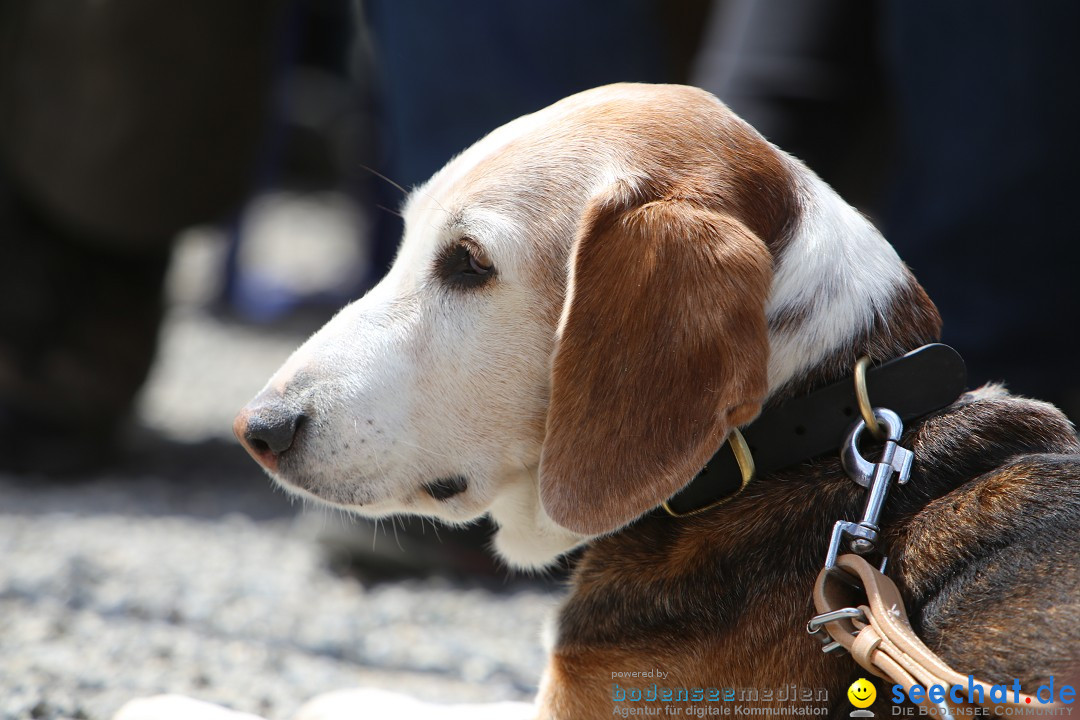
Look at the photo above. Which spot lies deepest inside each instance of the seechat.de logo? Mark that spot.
(975, 693)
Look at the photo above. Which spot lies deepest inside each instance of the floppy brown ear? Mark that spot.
(662, 349)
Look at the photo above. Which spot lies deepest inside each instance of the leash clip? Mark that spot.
(877, 477)
(816, 627)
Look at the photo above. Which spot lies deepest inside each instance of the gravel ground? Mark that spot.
(181, 570)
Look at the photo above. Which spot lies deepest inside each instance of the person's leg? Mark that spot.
(78, 328)
(120, 124)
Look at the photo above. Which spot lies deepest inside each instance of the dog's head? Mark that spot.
(584, 304)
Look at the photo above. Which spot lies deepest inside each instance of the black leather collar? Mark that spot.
(912, 386)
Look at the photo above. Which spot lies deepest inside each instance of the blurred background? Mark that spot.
(187, 190)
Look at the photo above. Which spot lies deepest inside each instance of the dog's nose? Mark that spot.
(266, 428)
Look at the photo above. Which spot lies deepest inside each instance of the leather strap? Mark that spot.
(884, 643)
(912, 386)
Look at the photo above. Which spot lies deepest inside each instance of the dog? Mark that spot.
(585, 304)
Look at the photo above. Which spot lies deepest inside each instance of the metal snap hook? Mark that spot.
(864, 535)
(859, 468)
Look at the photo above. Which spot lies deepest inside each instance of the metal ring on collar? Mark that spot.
(863, 398)
(743, 456)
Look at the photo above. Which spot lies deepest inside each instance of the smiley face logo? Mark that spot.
(862, 693)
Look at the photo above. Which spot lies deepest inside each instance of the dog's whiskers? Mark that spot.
(401, 188)
(379, 175)
(395, 213)
(397, 540)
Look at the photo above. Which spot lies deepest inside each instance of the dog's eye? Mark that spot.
(465, 264)
(479, 266)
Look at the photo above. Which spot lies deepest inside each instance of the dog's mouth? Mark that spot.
(314, 486)
(446, 488)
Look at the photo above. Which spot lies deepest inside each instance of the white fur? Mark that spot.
(839, 267)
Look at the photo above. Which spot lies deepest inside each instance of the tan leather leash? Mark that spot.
(860, 610)
(879, 637)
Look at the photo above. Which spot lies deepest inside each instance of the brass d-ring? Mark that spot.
(743, 457)
(863, 397)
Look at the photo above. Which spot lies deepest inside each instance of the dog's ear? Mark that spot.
(662, 348)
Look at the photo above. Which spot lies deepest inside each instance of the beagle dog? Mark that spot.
(586, 302)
